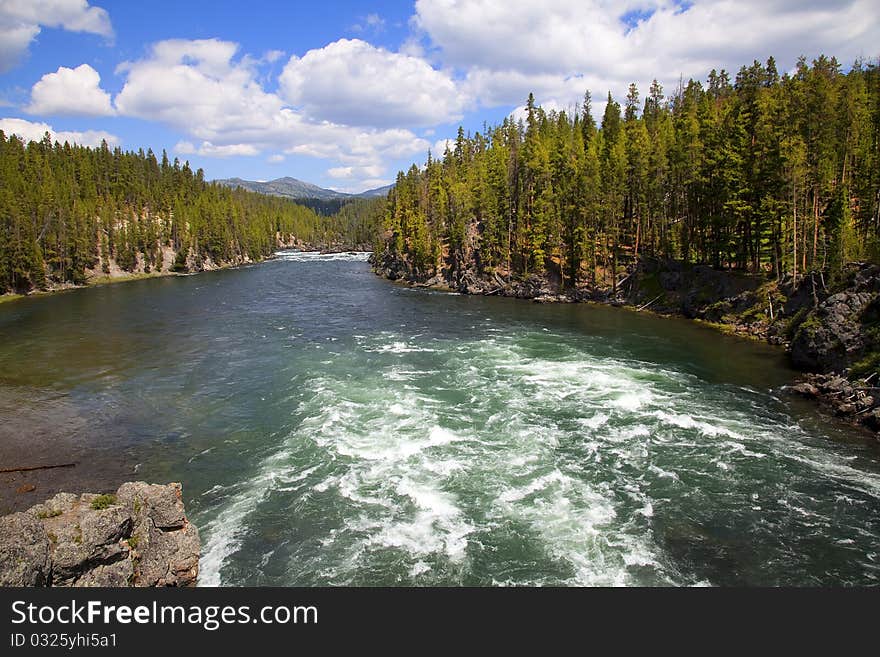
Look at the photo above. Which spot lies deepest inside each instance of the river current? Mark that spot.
(332, 428)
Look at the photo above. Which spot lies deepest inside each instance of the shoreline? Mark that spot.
(720, 327)
(97, 281)
(101, 281)
(109, 279)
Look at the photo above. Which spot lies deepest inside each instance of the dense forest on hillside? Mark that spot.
(68, 209)
(764, 173)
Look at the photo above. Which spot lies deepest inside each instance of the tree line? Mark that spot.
(66, 209)
(764, 173)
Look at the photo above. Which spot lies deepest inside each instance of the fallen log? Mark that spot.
(30, 468)
(641, 308)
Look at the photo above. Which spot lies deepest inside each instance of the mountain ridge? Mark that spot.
(294, 188)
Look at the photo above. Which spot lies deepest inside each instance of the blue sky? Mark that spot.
(343, 94)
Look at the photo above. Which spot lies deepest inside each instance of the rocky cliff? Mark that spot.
(139, 536)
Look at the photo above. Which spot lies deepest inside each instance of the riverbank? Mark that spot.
(829, 329)
(112, 280)
(114, 274)
(92, 282)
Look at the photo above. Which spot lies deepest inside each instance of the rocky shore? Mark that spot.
(844, 398)
(139, 536)
(185, 265)
(830, 329)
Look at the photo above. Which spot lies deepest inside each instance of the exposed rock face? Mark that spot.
(24, 551)
(830, 339)
(390, 266)
(165, 543)
(837, 334)
(138, 537)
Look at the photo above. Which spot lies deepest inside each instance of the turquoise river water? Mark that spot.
(331, 428)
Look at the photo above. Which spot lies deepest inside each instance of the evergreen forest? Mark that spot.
(66, 210)
(766, 173)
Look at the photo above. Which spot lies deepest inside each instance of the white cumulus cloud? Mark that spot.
(34, 131)
(559, 48)
(21, 21)
(440, 146)
(207, 149)
(214, 97)
(70, 91)
(361, 173)
(355, 83)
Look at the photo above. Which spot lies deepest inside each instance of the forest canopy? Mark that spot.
(766, 172)
(66, 209)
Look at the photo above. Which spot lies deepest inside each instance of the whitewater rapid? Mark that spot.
(331, 428)
(518, 460)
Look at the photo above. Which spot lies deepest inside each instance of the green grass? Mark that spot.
(131, 276)
(795, 323)
(867, 366)
(808, 326)
(11, 297)
(103, 501)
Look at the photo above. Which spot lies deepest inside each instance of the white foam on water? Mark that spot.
(223, 531)
(516, 494)
(570, 447)
(418, 568)
(315, 256)
(664, 474)
(686, 421)
(631, 401)
(594, 422)
(400, 347)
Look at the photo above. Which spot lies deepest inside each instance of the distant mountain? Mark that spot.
(293, 188)
(379, 191)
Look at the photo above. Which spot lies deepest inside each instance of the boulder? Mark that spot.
(117, 574)
(806, 390)
(84, 538)
(872, 420)
(163, 504)
(138, 537)
(166, 558)
(24, 551)
(165, 543)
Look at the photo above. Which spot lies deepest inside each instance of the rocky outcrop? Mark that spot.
(139, 536)
(392, 267)
(831, 339)
(845, 398)
(24, 551)
(841, 330)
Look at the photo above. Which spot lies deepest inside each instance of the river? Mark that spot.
(332, 428)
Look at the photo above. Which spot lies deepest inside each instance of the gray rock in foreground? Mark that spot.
(138, 537)
(24, 551)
